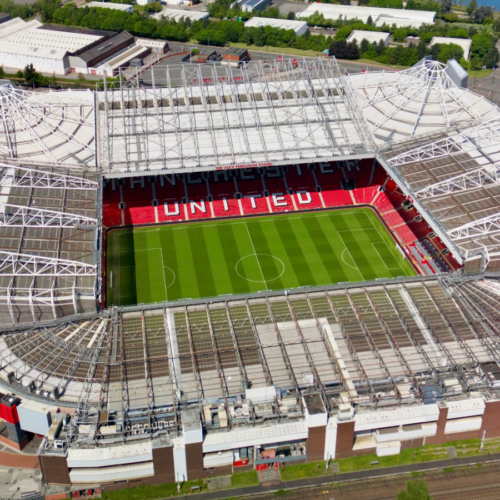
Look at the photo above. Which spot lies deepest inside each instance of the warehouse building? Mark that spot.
(300, 27)
(125, 7)
(178, 14)
(58, 49)
(251, 5)
(369, 36)
(399, 17)
(461, 42)
(86, 61)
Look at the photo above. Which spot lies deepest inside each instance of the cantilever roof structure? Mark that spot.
(398, 105)
(455, 179)
(269, 115)
(49, 229)
(47, 128)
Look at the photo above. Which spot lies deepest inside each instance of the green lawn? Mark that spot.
(238, 256)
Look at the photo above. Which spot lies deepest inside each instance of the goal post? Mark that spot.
(401, 251)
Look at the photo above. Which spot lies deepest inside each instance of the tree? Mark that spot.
(471, 7)
(496, 25)
(364, 45)
(369, 21)
(53, 81)
(421, 50)
(472, 31)
(31, 76)
(446, 6)
(380, 47)
(416, 490)
(364, 2)
(482, 13)
(2, 72)
(490, 58)
(291, 15)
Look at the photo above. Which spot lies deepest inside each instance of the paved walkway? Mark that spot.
(348, 476)
(19, 460)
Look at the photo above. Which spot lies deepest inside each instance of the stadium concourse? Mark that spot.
(341, 170)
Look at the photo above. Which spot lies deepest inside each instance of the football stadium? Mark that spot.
(232, 269)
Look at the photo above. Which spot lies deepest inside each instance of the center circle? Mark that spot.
(256, 263)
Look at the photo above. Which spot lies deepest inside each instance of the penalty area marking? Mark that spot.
(256, 255)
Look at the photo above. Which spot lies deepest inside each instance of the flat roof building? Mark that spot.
(254, 5)
(399, 17)
(369, 36)
(110, 5)
(461, 42)
(86, 62)
(177, 14)
(4, 17)
(300, 27)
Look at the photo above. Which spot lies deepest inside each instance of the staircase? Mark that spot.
(269, 476)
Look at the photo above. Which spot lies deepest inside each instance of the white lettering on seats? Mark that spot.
(200, 206)
(176, 209)
(226, 204)
(252, 199)
(302, 200)
(279, 200)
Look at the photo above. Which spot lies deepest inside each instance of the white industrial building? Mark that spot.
(399, 17)
(47, 49)
(58, 50)
(109, 5)
(369, 36)
(177, 14)
(461, 42)
(300, 27)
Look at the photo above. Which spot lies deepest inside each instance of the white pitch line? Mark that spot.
(255, 253)
(357, 267)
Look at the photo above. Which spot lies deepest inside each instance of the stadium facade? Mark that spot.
(174, 391)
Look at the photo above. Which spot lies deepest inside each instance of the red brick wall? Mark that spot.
(194, 461)
(491, 420)
(315, 444)
(345, 439)
(441, 424)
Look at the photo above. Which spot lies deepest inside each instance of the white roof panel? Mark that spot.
(258, 435)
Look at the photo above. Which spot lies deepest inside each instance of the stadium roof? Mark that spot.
(455, 178)
(399, 105)
(55, 128)
(256, 119)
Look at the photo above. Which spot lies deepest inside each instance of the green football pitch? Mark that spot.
(238, 256)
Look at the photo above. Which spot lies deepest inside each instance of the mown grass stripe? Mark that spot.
(263, 237)
(201, 263)
(325, 251)
(230, 256)
(294, 252)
